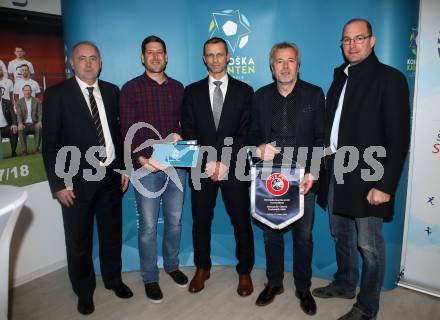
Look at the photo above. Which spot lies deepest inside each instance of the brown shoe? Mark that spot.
(198, 281)
(245, 286)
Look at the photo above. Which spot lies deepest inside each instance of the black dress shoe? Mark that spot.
(121, 290)
(307, 303)
(85, 306)
(268, 295)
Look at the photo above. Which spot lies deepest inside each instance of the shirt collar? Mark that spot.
(84, 85)
(224, 80)
(154, 81)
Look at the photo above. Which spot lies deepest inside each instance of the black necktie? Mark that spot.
(95, 117)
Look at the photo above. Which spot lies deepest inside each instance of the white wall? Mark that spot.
(37, 245)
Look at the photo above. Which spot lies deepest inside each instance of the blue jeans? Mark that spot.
(148, 212)
(302, 249)
(365, 234)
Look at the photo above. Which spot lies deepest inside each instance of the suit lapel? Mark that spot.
(206, 107)
(34, 110)
(81, 107)
(228, 102)
(25, 113)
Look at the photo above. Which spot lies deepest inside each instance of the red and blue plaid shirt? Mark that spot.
(144, 100)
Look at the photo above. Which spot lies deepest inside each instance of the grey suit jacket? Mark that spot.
(36, 110)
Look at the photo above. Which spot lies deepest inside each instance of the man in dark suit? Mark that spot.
(367, 110)
(289, 113)
(81, 113)
(215, 108)
(8, 124)
(29, 116)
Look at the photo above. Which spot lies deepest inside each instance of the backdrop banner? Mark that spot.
(250, 29)
(421, 249)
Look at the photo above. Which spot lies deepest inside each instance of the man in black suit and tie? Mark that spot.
(82, 113)
(215, 108)
(289, 113)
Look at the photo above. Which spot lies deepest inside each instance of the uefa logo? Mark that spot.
(277, 184)
(232, 26)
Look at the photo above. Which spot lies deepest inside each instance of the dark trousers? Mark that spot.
(302, 249)
(106, 202)
(7, 133)
(353, 235)
(29, 128)
(235, 195)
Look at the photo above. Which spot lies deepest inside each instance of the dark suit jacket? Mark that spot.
(375, 113)
(67, 121)
(36, 110)
(309, 116)
(198, 121)
(8, 112)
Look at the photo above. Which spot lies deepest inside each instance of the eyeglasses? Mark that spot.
(356, 40)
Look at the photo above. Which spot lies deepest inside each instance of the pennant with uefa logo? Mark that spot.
(276, 198)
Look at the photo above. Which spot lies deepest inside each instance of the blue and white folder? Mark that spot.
(182, 154)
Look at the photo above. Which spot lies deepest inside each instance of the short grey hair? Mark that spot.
(284, 45)
(85, 42)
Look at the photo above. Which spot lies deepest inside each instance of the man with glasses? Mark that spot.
(367, 106)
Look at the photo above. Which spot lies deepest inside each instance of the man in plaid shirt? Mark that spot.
(155, 99)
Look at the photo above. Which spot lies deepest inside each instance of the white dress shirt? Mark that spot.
(29, 111)
(223, 87)
(335, 127)
(109, 146)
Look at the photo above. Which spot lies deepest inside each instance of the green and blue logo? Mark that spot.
(232, 26)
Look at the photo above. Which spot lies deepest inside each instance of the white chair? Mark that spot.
(11, 202)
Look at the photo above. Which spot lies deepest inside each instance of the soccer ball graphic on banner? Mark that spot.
(232, 26)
